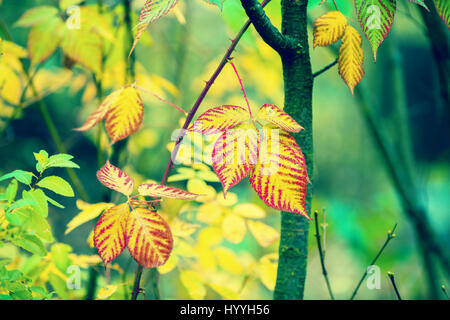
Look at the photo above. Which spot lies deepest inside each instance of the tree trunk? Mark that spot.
(298, 84)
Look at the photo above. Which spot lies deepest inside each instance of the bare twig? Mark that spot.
(391, 276)
(390, 236)
(322, 258)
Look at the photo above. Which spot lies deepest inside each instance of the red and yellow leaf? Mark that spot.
(115, 179)
(219, 119)
(100, 112)
(152, 10)
(234, 152)
(279, 178)
(149, 238)
(125, 114)
(329, 28)
(275, 115)
(350, 58)
(110, 232)
(443, 9)
(159, 191)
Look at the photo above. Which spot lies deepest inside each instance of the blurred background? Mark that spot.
(227, 248)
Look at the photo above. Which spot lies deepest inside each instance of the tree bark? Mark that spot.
(298, 84)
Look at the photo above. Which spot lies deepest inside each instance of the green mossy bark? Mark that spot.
(298, 84)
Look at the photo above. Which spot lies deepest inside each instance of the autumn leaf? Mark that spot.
(350, 58)
(234, 152)
(329, 28)
(123, 111)
(110, 232)
(265, 235)
(159, 191)
(152, 10)
(376, 18)
(115, 179)
(149, 238)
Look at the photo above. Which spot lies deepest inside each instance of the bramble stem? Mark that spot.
(322, 258)
(326, 68)
(390, 236)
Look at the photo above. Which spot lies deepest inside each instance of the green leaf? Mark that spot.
(30, 243)
(62, 161)
(21, 176)
(376, 18)
(36, 15)
(40, 199)
(64, 4)
(60, 254)
(57, 185)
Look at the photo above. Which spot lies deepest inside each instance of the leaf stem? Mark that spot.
(390, 236)
(391, 276)
(326, 68)
(322, 258)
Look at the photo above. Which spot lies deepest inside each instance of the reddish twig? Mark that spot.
(242, 87)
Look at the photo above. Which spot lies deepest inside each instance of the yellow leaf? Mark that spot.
(115, 179)
(90, 240)
(234, 228)
(105, 293)
(210, 236)
(101, 111)
(228, 261)
(264, 234)
(225, 292)
(89, 212)
(44, 38)
(193, 282)
(110, 232)
(249, 210)
(350, 58)
(149, 238)
(125, 114)
(278, 117)
(209, 213)
(329, 28)
(280, 177)
(183, 229)
(159, 191)
(219, 119)
(169, 265)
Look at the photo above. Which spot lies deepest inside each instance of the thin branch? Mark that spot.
(188, 120)
(326, 68)
(391, 276)
(390, 236)
(268, 32)
(322, 258)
